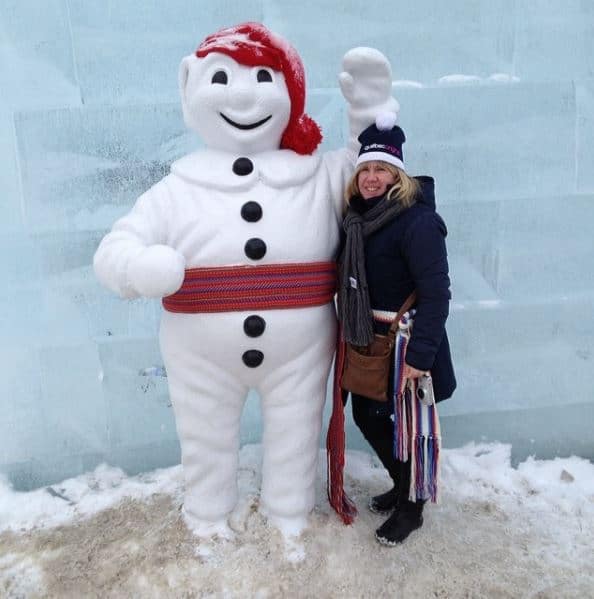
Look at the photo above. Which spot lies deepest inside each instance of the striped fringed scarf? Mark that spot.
(417, 435)
(335, 442)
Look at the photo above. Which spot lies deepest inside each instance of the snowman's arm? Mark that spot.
(366, 84)
(339, 166)
(144, 226)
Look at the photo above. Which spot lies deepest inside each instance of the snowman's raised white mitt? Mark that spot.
(366, 84)
(156, 271)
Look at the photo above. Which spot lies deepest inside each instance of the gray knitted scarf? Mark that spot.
(354, 309)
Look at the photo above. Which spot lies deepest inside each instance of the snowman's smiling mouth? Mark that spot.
(245, 127)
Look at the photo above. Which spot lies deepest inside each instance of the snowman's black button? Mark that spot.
(253, 326)
(251, 211)
(255, 248)
(243, 166)
(252, 358)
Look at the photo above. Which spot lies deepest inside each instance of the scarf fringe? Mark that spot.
(335, 444)
(417, 434)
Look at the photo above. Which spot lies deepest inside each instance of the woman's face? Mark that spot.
(374, 179)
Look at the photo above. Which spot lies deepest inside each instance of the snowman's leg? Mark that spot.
(292, 417)
(207, 402)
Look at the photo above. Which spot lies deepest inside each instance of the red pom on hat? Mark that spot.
(251, 44)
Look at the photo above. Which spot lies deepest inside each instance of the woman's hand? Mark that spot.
(412, 373)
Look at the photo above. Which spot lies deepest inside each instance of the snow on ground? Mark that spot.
(498, 532)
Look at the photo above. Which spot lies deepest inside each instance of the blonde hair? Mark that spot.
(405, 189)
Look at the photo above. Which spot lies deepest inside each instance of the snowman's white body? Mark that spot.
(196, 213)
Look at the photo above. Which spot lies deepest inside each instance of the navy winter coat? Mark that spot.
(410, 253)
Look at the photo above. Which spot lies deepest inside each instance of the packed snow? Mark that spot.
(498, 532)
(460, 79)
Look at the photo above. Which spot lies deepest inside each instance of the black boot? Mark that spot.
(405, 519)
(384, 503)
(407, 515)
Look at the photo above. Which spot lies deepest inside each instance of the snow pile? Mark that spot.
(81, 497)
(499, 532)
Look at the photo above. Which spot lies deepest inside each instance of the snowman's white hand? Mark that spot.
(366, 84)
(157, 271)
(366, 79)
(347, 86)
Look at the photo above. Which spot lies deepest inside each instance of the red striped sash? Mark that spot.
(241, 288)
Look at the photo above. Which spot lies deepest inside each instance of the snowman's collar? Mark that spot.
(214, 169)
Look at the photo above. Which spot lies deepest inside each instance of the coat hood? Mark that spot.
(427, 194)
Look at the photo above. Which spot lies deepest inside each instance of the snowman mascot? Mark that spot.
(239, 241)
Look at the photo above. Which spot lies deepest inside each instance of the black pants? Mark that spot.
(374, 420)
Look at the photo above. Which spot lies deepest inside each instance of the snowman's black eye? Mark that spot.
(219, 77)
(264, 76)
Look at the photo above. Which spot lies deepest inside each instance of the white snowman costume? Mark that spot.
(244, 201)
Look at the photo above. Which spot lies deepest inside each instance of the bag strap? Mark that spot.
(406, 306)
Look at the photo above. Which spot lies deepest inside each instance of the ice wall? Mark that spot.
(498, 104)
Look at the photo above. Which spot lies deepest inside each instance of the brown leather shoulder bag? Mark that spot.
(367, 369)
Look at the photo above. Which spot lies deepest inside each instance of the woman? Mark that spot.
(395, 244)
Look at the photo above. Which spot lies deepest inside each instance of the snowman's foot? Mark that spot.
(290, 526)
(207, 529)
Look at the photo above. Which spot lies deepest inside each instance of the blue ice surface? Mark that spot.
(497, 101)
(130, 51)
(585, 134)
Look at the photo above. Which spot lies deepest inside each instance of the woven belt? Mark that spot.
(266, 287)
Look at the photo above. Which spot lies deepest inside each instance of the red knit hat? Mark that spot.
(251, 44)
